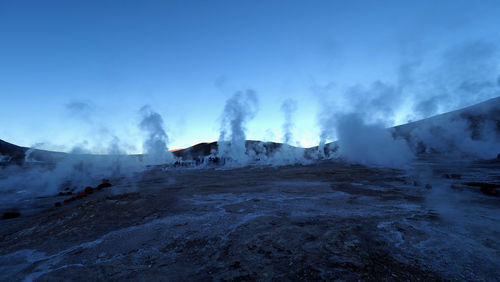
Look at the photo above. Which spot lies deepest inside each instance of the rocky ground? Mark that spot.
(325, 221)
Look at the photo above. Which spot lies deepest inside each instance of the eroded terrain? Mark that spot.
(318, 222)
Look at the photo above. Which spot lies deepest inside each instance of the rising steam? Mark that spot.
(288, 108)
(155, 145)
(239, 109)
(465, 74)
(370, 144)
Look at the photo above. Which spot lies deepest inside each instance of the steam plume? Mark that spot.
(239, 109)
(370, 144)
(155, 145)
(288, 107)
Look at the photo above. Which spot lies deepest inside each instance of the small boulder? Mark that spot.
(89, 190)
(11, 214)
(71, 199)
(103, 185)
(489, 189)
(453, 176)
(459, 187)
(81, 195)
(57, 204)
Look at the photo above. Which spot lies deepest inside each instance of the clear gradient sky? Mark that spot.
(77, 72)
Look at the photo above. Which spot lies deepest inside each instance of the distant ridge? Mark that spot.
(474, 115)
(13, 152)
(487, 110)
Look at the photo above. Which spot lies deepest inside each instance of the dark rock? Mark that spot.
(10, 215)
(89, 190)
(459, 187)
(57, 204)
(489, 189)
(236, 265)
(428, 186)
(453, 176)
(71, 199)
(103, 185)
(81, 195)
(62, 193)
(498, 156)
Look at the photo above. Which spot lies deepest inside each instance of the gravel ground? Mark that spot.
(325, 221)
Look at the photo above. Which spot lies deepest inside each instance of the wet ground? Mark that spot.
(325, 221)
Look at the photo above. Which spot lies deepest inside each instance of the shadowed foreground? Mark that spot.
(317, 222)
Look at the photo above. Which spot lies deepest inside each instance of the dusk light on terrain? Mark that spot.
(249, 140)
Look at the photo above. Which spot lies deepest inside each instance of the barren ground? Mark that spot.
(318, 222)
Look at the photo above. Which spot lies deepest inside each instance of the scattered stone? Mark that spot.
(57, 204)
(236, 265)
(105, 184)
(71, 199)
(62, 194)
(81, 195)
(89, 190)
(453, 176)
(489, 189)
(10, 215)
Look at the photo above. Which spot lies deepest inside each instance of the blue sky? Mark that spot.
(77, 72)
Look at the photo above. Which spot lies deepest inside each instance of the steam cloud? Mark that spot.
(474, 131)
(80, 168)
(239, 109)
(288, 108)
(370, 144)
(155, 145)
(467, 73)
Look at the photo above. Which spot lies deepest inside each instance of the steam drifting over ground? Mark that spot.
(370, 144)
(45, 173)
(465, 74)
